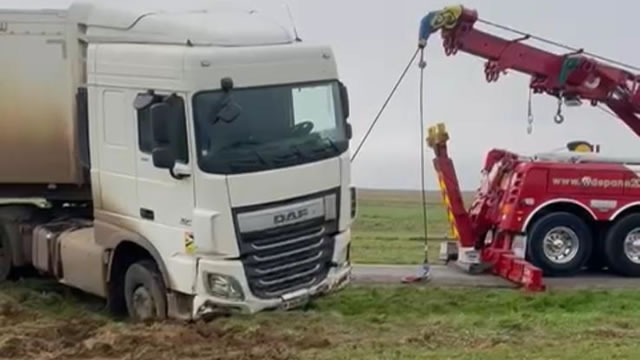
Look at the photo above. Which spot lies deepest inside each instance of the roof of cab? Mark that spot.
(220, 23)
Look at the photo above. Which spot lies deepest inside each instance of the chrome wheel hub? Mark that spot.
(561, 245)
(632, 246)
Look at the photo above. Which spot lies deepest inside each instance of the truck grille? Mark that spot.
(285, 259)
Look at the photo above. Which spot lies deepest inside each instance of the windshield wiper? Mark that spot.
(260, 157)
(243, 143)
(251, 163)
(333, 144)
(298, 152)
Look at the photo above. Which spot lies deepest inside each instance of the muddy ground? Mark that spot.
(26, 333)
(361, 323)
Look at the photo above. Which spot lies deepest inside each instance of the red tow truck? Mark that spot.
(551, 214)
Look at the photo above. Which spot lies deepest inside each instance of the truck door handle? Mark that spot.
(147, 214)
(180, 172)
(178, 176)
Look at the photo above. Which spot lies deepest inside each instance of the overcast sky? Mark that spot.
(373, 40)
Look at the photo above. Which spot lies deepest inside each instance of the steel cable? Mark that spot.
(423, 65)
(384, 106)
(560, 45)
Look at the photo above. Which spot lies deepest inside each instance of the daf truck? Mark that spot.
(176, 163)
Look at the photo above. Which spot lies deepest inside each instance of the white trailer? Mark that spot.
(176, 163)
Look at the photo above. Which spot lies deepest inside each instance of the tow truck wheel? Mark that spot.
(622, 246)
(560, 244)
(5, 256)
(145, 292)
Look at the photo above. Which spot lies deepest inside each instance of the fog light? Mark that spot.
(224, 287)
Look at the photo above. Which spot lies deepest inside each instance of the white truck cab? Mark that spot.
(177, 163)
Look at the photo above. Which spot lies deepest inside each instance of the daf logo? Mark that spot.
(291, 216)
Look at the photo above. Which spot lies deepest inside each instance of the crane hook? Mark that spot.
(559, 118)
(530, 117)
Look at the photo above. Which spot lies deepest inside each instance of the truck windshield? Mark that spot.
(257, 129)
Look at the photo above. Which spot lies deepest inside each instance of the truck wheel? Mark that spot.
(5, 256)
(622, 246)
(560, 244)
(145, 293)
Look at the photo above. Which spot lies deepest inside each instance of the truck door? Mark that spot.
(164, 197)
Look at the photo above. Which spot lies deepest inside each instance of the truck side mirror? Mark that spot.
(163, 154)
(164, 158)
(344, 97)
(160, 121)
(349, 131)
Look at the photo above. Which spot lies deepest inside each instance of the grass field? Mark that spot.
(41, 320)
(390, 229)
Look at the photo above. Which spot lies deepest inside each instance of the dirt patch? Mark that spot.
(25, 334)
(10, 313)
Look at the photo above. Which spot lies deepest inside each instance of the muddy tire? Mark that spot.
(145, 293)
(560, 244)
(622, 246)
(5, 256)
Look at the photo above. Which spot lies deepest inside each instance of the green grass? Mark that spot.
(359, 323)
(419, 323)
(391, 231)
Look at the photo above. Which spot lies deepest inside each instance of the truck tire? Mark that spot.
(5, 256)
(622, 246)
(145, 293)
(560, 244)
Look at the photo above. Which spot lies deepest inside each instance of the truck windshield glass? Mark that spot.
(263, 128)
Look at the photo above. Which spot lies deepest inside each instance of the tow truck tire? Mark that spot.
(145, 293)
(560, 244)
(622, 246)
(5, 256)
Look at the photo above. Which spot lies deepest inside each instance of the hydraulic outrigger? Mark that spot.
(472, 255)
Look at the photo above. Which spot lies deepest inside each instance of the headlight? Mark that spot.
(224, 287)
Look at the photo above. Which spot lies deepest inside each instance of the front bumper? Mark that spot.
(205, 304)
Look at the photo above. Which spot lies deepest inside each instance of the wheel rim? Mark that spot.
(632, 246)
(561, 245)
(143, 304)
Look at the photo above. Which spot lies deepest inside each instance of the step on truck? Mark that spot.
(176, 163)
(550, 214)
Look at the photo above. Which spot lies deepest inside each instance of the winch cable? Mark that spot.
(426, 266)
(425, 273)
(384, 106)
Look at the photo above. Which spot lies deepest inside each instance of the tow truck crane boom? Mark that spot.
(571, 77)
